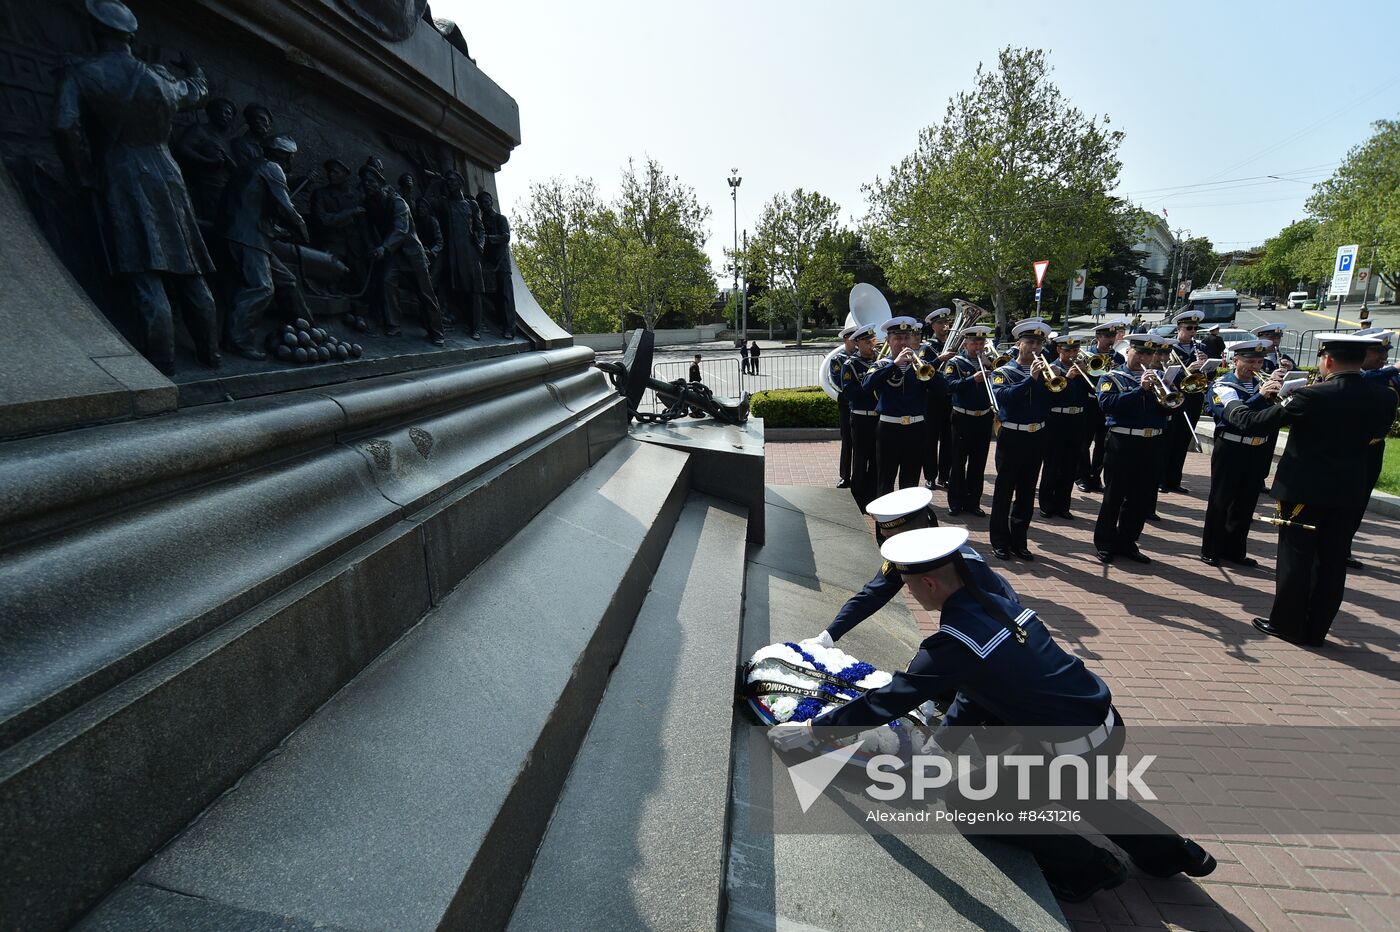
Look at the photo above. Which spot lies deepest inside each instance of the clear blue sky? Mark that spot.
(827, 95)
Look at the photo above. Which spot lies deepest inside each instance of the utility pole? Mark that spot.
(744, 295)
(734, 182)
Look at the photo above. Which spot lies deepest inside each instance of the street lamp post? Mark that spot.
(734, 182)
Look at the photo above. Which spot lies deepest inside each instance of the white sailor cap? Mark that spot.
(1268, 328)
(1251, 349)
(1189, 317)
(980, 330)
(941, 312)
(1147, 341)
(848, 332)
(1070, 340)
(895, 510)
(1110, 326)
(899, 325)
(1212, 328)
(924, 549)
(1326, 340)
(863, 331)
(1033, 327)
(1379, 333)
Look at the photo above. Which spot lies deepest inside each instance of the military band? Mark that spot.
(1046, 416)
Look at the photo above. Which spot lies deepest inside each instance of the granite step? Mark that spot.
(638, 836)
(416, 797)
(818, 552)
(147, 722)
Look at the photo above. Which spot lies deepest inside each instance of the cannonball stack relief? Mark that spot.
(300, 343)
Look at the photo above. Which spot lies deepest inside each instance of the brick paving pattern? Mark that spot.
(1175, 644)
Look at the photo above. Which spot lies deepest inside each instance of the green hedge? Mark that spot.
(795, 407)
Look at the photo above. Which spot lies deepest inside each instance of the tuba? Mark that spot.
(867, 306)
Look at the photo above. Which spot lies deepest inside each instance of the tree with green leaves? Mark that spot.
(562, 251)
(658, 246)
(1360, 204)
(795, 249)
(1276, 267)
(1012, 174)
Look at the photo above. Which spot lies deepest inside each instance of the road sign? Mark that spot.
(1362, 280)
(1040, 267)
(1077, 288)
(1100, 291)
(1342, 271)
(1037, 294)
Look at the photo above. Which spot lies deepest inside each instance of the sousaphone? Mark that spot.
(867, 306)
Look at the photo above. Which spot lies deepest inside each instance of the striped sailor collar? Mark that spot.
(963, 619)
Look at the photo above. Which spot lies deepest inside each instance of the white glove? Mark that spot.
(821, 640)
(792, 736)
(1226, 394)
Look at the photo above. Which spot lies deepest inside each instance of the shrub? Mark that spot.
(795, 407)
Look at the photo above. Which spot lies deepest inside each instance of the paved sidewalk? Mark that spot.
(1175, 643)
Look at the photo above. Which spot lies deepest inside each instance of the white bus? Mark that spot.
(1219, 304)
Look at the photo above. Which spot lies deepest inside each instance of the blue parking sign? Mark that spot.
(1344, 262)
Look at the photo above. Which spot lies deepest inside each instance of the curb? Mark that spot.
(800, 434)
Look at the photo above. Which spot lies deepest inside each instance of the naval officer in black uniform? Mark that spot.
(1376, 368)
(1239, 460)
(902, 384)
(1136, 422)
(860, 403)
(1320, 482)
(969, 397)
(1024, 404)
(1003, 668)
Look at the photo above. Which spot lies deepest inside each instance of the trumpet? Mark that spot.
(1192, 383)
(923, 371)
(1166, 396)
(1054, 382)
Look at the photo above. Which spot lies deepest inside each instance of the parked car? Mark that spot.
(1267, 304)
(1231, 337)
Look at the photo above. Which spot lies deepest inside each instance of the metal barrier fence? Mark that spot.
(1304, 345)
(724, 376)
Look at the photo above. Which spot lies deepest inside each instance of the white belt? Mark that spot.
(973, 413)
(1066, 410)
(1028, 428)
(1247, 441)
(1138, 432)
(870, 413)
(1082, 746)
(905, 419)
